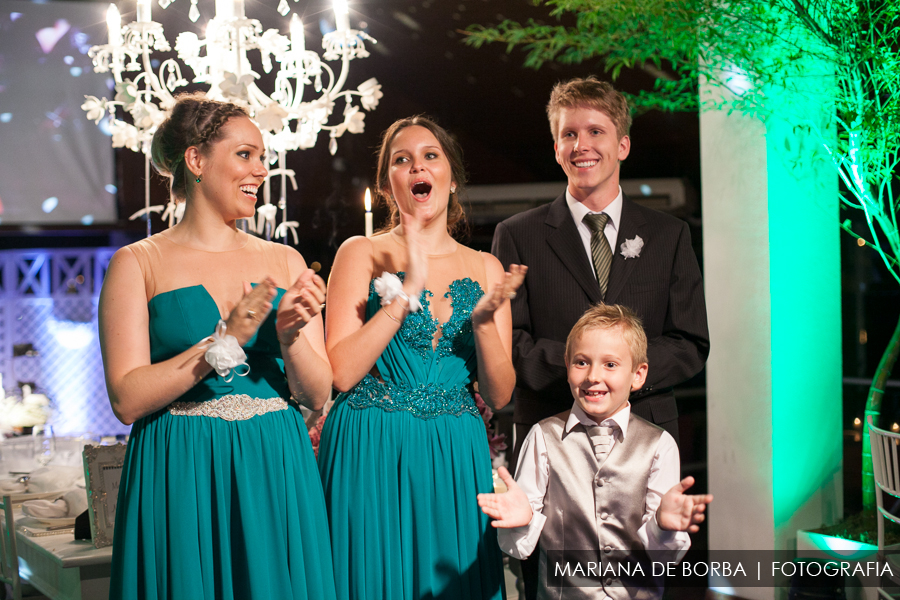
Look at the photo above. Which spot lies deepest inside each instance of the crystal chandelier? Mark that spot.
(219, 61)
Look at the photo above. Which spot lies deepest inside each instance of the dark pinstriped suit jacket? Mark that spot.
(663, 286)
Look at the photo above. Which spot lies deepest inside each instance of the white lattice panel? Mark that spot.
(48, 299)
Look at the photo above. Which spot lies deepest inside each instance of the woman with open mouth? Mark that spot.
(415, 321)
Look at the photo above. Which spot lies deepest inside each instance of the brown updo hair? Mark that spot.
(195, 120)
(456, 217)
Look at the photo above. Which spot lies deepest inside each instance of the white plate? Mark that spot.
(53, 521)
(23, 496)
(49, 520)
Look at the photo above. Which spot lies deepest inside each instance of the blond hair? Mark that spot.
(612, 316)
(589, 92)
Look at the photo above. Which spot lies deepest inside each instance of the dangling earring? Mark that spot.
(198, 179)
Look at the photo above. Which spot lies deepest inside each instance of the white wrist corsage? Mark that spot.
(389, 287)
(224, 354)
(632, 248)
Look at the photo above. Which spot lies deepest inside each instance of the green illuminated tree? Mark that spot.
(844, 53)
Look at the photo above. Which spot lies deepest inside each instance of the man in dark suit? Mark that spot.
(594, 245)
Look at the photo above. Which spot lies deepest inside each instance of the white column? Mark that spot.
(772, 277)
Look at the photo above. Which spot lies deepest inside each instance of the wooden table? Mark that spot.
(60, 567)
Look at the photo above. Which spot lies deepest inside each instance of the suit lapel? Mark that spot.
(631, 224)
(566, 242)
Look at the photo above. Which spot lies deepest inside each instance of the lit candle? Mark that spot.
(368, 203)
(224, 9)
(298, 37)
(341, 15)
(143, 11)
(114, 25)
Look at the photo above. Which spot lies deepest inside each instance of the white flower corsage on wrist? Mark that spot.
(224, 354)
(389, 287)
(632, 248)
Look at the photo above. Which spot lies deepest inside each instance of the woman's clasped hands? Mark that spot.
(299, 305)
(247, 315)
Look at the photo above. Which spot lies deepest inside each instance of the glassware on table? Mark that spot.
(44, 444)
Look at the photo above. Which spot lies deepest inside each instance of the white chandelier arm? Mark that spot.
(146, 211)
(289, 173)
(258, 98)
(282, 230)
(151, 79)
(342, 79)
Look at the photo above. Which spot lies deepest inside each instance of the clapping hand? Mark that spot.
(680, 512)
(510, 509)
(299, 305)
(254, 307)
(506, 289)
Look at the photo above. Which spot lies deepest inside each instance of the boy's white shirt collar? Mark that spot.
(577, 415)
(579, 210)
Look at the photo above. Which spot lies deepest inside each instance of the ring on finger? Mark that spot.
(322, 305)
(511, 295)
(251, 314)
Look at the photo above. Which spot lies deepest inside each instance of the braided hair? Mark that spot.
(195, 120)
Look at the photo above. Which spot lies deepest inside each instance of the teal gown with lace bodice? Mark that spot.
(402, 461)
(211, 508)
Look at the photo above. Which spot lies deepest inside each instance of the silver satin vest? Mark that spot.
(598, 510)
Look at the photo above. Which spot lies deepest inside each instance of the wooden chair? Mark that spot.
(886, 467)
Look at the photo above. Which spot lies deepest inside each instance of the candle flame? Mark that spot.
(341, 8)
(368, 200)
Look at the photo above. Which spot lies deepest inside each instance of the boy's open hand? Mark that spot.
(508, 510)
(680, 512)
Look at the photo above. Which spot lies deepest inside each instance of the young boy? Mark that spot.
(595, 478)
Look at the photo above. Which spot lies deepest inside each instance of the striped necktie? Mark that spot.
(601, 254)
(601, 440)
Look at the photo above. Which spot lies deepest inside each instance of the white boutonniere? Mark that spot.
(632, 248)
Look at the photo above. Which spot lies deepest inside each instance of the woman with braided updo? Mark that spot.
(220, 497)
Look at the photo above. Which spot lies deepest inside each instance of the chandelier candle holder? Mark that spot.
(219, 62)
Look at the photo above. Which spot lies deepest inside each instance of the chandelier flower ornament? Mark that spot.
(272, 117)
(370, 93)
(95, 108)
(236, 88)
(291, 116)
(125, 135)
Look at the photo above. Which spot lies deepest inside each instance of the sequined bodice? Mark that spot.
(419, 377)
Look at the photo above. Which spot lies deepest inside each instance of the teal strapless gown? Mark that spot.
(216, 509)
(402, 463)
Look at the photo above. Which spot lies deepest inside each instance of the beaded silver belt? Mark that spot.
(233, 407)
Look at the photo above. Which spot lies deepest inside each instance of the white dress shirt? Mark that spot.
(533, 476)
(613, 210)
